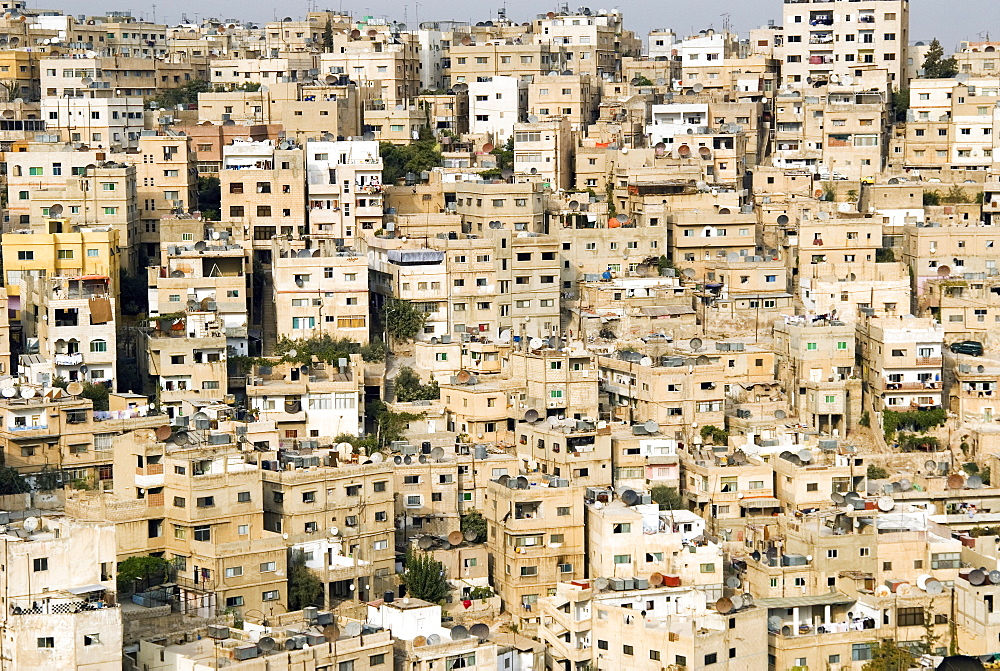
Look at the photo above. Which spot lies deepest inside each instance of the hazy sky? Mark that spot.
(951, 20)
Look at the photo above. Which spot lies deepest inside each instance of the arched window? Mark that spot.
(98, 345)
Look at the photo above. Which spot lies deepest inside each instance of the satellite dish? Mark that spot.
(75, 389)
(505, 335)
(974, 482)
(463, 376)
(266, 643)
(470, 536)
(455, 537)
(780, 414)
(531, 415)
(733, 582)
(353, 629)
(651, 426)
(885, 503)
(407, 460)
(459, 633)
(805, 456)
(30, 524)
(755, 555)
(55, 210)
(522, 482)
(601, 584)
(724, 605)
(425, 542)
(955, 481)
(8, 392)
(27, 392)
(488, 147)
(377, 458)
(655, 579)
(397, 460)
(837, 498)
(630, 497)
(933, 587)
(419, 641)
(437, 454)
(774, 623)
(333, 531)
(504, 479)
(162, 432)
(422, 458)
(433, 639)
(976, 576)
(480, 631)
(695, 344)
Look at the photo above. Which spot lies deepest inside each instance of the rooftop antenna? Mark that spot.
(725, 21)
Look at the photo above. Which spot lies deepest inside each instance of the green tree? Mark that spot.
(668, 497)
(715, 434)
(931, 198)
(900, 104)
(643, 80)
(409, 388)
(505, 155)
(373, 351)
(328, 35)
(402, 320)
(936, 66)
(877, 472)
(11, 482)
(304, 587)
(209, 198)
(98, 393)
(424, 577)
(187, 94)
(887, 656)
(389, 426)
(141, 568)
(415, 158)
(474, 521)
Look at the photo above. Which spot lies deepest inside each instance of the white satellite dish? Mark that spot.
(27, 392)
(9, 392)
(30, 524)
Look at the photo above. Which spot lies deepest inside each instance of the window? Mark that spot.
(376, 660)
(711, 658)
(242, 497)
(65, 253)
(623, 559)
(206, 501)
(910, 617)
(46, 642)
(234, 571)
(308, 497)
(272, 595)
(40, 564)
(268, 567)
(203, 533)
(628, 650)
(98, 346)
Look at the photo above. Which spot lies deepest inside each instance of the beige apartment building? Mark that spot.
(585, 627)
(536, 540)
(633, 307)
(819, 41)
(677, 390)
(277, 175)
(971, 386)
(344, 188)
(543, 151)
(199, 503)
(901, 362)
(319, 289)
(816, 361)
(340, 514)
(728, 491)
(966, 308)
(943, 252)
(61, 612)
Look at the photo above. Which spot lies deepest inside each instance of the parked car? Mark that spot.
(967, 347)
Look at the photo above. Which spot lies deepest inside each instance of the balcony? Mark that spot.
(911, 386)
(928, 361)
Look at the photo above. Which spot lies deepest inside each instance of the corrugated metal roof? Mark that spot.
(415, 256)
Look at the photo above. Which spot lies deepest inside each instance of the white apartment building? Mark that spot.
(495, 105)
(344, 188)
(98, 122)
(823, 38)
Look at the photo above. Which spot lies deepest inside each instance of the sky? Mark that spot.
(951, 21)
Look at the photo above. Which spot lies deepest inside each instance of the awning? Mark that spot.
(829, 599)
(87, 589)
(765, 502)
